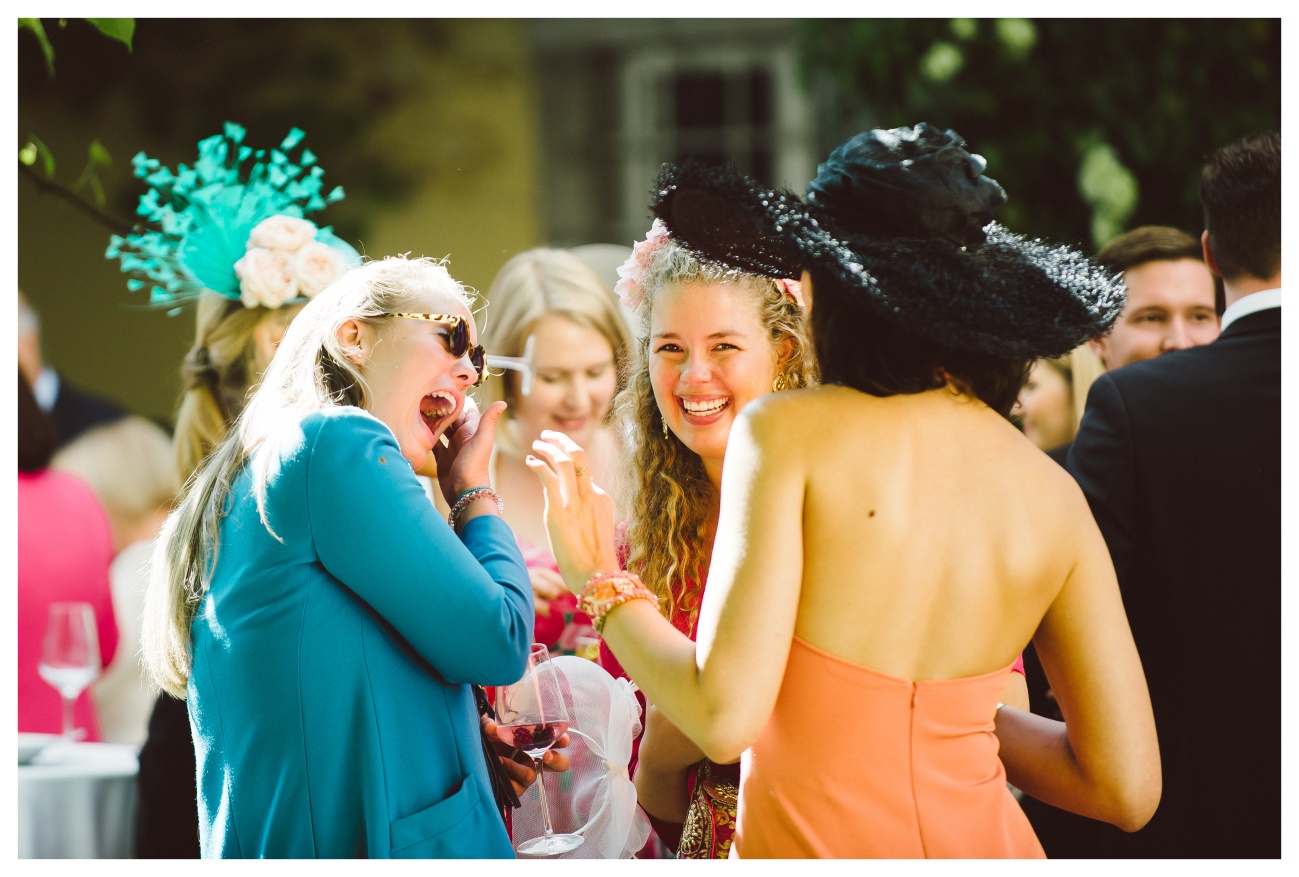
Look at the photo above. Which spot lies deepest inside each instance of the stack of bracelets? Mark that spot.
(606, 590)
(468, 496)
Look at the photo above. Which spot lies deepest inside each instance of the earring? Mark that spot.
(778, 384)
(665, 427)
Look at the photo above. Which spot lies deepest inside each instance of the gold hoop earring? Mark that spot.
(665, 426)
(778, 384)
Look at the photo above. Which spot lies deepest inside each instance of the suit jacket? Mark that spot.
(76, 411)
(330, 692)
(1180, 459)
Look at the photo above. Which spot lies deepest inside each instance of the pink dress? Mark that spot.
(64, 552)
(558, 630)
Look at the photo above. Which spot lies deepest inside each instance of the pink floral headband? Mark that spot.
(631, 291)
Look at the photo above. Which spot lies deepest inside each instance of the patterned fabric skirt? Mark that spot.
(710, 821)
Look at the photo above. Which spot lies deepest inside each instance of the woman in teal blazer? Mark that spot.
(323, 621)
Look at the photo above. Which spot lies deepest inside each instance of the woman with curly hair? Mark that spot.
(708, 342)
(877, 563)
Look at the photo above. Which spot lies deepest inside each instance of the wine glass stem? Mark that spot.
(69, 721)
(545, 810)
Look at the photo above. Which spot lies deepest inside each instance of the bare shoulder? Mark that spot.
(793, 416)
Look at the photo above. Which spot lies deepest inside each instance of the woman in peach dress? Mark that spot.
(878, 563)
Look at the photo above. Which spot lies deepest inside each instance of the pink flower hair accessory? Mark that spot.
(629, 288)
(793, 289)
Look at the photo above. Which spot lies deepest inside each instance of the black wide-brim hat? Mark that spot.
(904, 218)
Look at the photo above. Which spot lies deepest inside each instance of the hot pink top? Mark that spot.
(64, 551)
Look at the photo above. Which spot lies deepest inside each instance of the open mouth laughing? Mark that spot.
(701, 411)
(437, 407)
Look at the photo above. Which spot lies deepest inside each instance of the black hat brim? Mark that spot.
(1011, 297)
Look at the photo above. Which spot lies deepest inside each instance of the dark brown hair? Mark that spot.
(858, 348)
(37, 434)
(1240, 188)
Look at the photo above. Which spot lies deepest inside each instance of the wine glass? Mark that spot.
(70, 655)
(531, 715)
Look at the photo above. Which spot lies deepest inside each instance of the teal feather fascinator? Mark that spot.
(234, 224)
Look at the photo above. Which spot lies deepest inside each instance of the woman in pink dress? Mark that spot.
(65, 549)
(553, 314)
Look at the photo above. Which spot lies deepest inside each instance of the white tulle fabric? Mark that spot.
(595, 797)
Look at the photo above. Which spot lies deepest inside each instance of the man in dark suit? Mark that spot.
(1180, 459)
(73, 410)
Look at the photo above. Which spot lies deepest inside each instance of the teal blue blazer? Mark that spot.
(329, 697)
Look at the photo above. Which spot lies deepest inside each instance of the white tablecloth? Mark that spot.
(77, 801)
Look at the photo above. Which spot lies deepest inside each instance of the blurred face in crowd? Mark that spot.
(417, 387)
(269, 332)
(573, 382)
(1169, 307)
(709, 355)
(1045, 407)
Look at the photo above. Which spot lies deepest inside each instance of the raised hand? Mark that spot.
(463, 463)
(579, 515)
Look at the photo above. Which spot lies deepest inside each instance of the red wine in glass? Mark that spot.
(531, 715)
(533, 738)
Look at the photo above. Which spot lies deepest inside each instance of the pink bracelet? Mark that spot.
(469, 496)
(606, 590)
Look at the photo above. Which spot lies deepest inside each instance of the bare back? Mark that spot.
(935, 535)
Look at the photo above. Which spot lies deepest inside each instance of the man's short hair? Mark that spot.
(1148, 243)
(1240, 188)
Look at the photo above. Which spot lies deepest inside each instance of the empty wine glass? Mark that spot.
(70, 656)
(531, 715)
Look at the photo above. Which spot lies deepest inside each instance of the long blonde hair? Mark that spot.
(310, 372)
(670, 494)
(535, 283)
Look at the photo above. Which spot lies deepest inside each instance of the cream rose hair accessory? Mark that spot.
(234, 224)
(631, 290)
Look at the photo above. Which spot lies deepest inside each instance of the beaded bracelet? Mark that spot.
(604, 591)
(468, 496)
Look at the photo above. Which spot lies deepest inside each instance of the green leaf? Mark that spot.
(34, 25)
(941, 62)
(121, 29)
(43, 151)
(99, 156)
(964, 28)
(97, 190)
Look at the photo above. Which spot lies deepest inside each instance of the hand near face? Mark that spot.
(579, 515)
(463, 463)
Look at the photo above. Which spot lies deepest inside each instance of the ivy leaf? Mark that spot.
(99, 156)
(36, 148)
(34, 25)
(120, 29)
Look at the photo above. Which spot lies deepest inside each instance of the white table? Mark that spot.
(77, 801)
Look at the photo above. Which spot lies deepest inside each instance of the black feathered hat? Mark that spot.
(904, 216)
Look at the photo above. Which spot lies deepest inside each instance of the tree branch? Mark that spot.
(112, 223)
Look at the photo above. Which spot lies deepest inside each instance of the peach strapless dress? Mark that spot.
(855, 763)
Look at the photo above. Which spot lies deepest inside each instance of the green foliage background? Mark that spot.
(1093, 126)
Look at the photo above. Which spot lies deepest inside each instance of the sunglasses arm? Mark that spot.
(513, 363)
(521, 364)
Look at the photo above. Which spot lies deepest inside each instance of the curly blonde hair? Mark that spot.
(669, 493)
